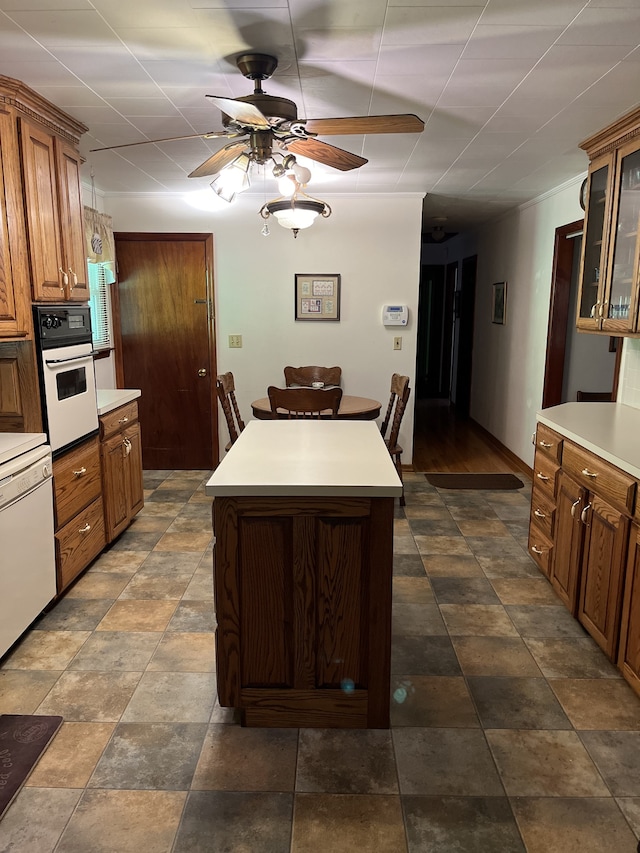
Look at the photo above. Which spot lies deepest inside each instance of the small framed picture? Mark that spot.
(499, 303)
(317, 296)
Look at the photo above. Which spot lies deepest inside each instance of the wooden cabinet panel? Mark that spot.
(595, 474)
(74, 254)
(121, 454)
(545, 475)
(118, 419)
(605, 551)
(41, 206)
(549, 442)
(78, 542)
(76, 479)
(569, 536)
(629, 654)
(543, 512)
(303, 594)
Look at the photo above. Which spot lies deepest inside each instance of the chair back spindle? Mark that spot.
(304, 402)
(306, 376)
(226, 390)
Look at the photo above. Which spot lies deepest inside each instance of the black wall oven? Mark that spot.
(67, 376)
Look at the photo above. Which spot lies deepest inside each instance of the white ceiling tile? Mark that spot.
(43, 5)
(83, 26)
(528, 13)
(420, 60)
(134, 107)
(146, 13)
(619, 87)
(510, 42)
(344, 43)
(456, 122)
(71, 97)
(261, 29)
(186, 44)
(609, 26)
(337, 13)
(194, 72)
(93, 117)
(17, 46)
(568, 70)
(430, 25)
(36, 74)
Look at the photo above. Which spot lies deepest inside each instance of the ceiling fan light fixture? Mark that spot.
(295, 213)
(233, 179)
(438, 234)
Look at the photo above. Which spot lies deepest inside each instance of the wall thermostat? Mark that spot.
(395, 315)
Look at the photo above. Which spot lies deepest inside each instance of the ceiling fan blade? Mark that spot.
(406, 123)
(314, 149)
(241, 112)
(214, 134)
(219, 160)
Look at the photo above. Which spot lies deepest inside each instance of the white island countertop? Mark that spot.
(307, 457)
(610, 430)
(110, 398)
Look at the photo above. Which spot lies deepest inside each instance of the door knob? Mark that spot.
(202, 371)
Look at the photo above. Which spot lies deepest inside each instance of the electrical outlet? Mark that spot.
(397, 342)
(235, 341)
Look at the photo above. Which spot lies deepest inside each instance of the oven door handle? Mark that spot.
(71, 358)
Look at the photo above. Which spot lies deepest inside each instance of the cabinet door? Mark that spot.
(114, 485)
(593, 262)
(41, 206)
(568, 542)
(629, 656)
(135, 487)
(621, 298)
(15, 296)
(605, 551)
(72, 221)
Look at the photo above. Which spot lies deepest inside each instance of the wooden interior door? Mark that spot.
(166, 319)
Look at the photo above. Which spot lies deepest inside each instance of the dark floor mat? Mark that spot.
(475, 481)
(23, 740)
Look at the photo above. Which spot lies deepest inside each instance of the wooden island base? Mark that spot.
(303, 601)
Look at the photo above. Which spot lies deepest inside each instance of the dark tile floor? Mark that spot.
(510, 730)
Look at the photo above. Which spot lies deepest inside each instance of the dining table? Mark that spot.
(352, 408)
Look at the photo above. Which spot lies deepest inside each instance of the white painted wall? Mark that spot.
(372, 241)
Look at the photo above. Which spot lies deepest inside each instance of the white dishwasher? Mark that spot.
(27, 548)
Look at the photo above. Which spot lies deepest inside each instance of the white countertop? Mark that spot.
(305, 457)
(13, 444)
(110, 398)
(610, 430)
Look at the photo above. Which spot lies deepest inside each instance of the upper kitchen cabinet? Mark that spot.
(46, 173)
(609, 274)
(15, 300)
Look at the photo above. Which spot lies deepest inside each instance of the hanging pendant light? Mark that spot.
(298, 210)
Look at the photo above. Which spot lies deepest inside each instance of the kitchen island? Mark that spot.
(303, 523)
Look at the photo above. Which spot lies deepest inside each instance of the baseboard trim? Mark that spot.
(509, 456)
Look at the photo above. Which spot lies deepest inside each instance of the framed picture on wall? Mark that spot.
(499, 303)
(317, 296)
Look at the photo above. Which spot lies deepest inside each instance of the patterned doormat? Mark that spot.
(475, 481)
(23, 740)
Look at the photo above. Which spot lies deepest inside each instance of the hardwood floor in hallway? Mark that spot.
(446, 443)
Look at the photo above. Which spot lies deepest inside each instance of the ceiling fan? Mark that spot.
(261, 125)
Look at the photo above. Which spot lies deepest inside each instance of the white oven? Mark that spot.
(67, 376)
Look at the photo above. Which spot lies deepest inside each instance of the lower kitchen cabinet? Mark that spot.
(568, 542)
(629, 653)
(121, 453)
(80, 534)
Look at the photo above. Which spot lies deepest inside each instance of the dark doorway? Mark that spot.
(466, 298)
(433, 355)
(165, 296)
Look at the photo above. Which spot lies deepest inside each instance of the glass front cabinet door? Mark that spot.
(609, 271)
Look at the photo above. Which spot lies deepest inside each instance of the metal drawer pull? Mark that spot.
(542, 477)
(573, 507)
(65, 277)
(537, 550)
(74, 278)
(127, 446)
(583, 514)
(588, 473)
(124, 420)
(85, 529)
(546, 445)
(80, 473)
(539, 514)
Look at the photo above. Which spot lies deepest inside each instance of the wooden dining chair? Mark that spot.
(400, 392)
(304, 402)
(306, 376)
(226, 389)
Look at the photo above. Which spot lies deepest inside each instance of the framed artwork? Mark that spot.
(317, 296)
(499, 303)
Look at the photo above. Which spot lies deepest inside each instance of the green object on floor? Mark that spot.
(23, 740)
(475, 481)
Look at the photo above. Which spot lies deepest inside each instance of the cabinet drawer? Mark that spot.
(599, 476)
(78, 542)
(549, 442)
(540, 549)
(545, 475)
(76, 480)
(117, 419)
(543, 511)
